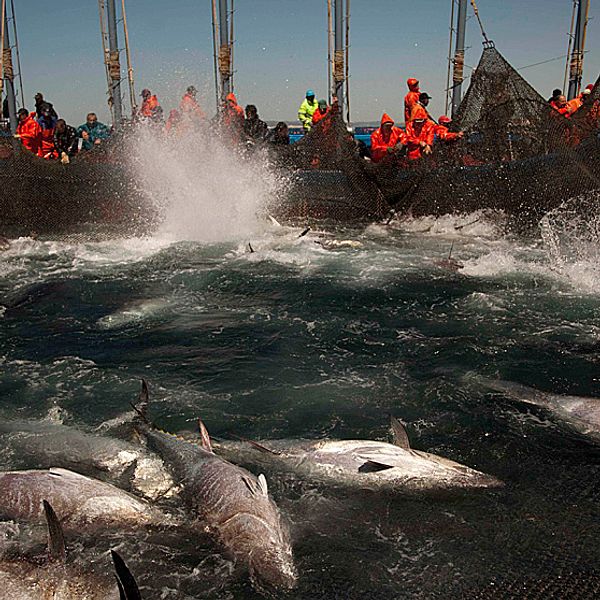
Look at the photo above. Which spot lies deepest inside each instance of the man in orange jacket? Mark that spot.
(386, 141)
(420, 133)
(442, 133)
(29, 131)
(321, 112)
(411, 98)
(189, 107)
(150, 109)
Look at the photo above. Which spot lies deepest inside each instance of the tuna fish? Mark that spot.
(579, 413)
(43, 445)
(229, 503)
(362, 464)
(53, 576)
(80, 500)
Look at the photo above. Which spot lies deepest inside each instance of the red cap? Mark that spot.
(590, 86)
(444, 119)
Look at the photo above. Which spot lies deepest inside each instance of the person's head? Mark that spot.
(413, 84)
(191, 91)
(310, 95)
(281, 128)
(424, 98)
(22, 114)
(561, 101)
(39, 97)
(91, 119)
(46, 111)
(146, 93)
(61, 125)
(586, 95)
(590, 86)
(556, 93)
(230, 100)
(444, 120)
(322, 105)
(386, 124)
(251, 112)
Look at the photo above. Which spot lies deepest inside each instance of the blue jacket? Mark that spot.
(98, 132)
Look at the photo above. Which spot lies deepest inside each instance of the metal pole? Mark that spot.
(329, 51)
(14, 20)
(2, 31)
(576, 67)
(448, 86)
(132, 100)
(9, 78)
(115, 67)
(215, 35)
(224, 51)
(459, 56)
(571, 36)
(338, 60)
(231, 70)
(347, 73)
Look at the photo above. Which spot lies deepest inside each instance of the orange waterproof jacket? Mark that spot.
(318, 115)
(441, 131)
(380, 144)
(575, 104)
(149, 107)
(417, 133)
(411, 98)
(564, 110)
(190, 107)
(30, 133)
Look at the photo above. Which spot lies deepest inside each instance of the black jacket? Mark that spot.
(67, 141)
(255, 129)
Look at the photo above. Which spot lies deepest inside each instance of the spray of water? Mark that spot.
(571, 236)
(205, 188)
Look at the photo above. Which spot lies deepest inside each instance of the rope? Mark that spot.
(225, 61)
(338, 66)
(483, 33)
(114, 66)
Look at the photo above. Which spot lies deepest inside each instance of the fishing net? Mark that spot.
(518, 155)
(93, 195)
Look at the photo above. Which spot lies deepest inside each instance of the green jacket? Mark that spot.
(305, 113)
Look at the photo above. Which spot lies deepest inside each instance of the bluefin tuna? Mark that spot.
(230, 504)
(39, 444)
(81, 501)
(53, 577)
(362, 464)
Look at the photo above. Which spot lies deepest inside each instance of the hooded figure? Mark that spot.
(420, 133)
(386, 140)
(150, 109)
(47, 124)
(411, 98)
(189, 107)
(232, 116)
(321, 112)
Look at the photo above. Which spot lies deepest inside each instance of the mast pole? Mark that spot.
(576, 64)
(224, 52)
(114, 66)
(338, 60)
(449, 70)
(329, 51)
(347, 73)
(2, 33)
(459, 56)
(231, 44)
(7, 73)
(17, 53)
(215, 35)
(571, 36)
(130, 80)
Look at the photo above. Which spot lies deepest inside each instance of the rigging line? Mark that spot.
(347, 61)
(453, 3)
(132, 101)
(571, 37)
(329, 46)
(14, 18)
(543, 62)
(2, 34)
(476, 10)
(215, 28)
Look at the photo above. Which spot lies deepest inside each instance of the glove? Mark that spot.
(64, 158)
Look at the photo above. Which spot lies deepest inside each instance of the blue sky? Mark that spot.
(281, 49)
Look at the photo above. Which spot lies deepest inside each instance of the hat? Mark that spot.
(310, 93)
(191, 90)
(145, 92)
(586, 92)
(322, 103)
(444, 119)
(424, 96)
(590, 86)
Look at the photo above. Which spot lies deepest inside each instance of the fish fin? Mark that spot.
(274, 221)
(128, 589)
(141, 407)
(57, 549)
(250, 248)
(205, 437)
(256, 444)
(372, 466)
(262, 482)
(304, 232)
(128, 475)
(399, 435)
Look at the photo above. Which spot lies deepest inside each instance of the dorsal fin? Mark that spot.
(141, 407)
(204, 436)
(372, 466)
(56, 539)
(262, 481)
(399, 435)
(255, 444)
(128, 589)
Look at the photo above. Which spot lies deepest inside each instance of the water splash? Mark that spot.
(205, 189)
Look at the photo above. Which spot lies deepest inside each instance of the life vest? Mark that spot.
(30, 134)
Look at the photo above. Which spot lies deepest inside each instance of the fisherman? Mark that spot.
(66, 141)
(232, 117)
(150, 109)
(580, 101)
(47, 124)
(562, 106)
(442, 133)
(93, 132)
(29, 131)
(411, 98)
(322, 111)
(307, 110)
(420, 134)
(387, 141)
(189, 107)
(173, 124)
(279, 135)
(255, 129)
(40, 102)
(555, 94)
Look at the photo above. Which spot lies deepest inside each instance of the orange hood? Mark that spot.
(418, 113)
(231, 96)
(413, 84)
(386, 119)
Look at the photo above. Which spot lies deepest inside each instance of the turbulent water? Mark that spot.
(303, 338)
